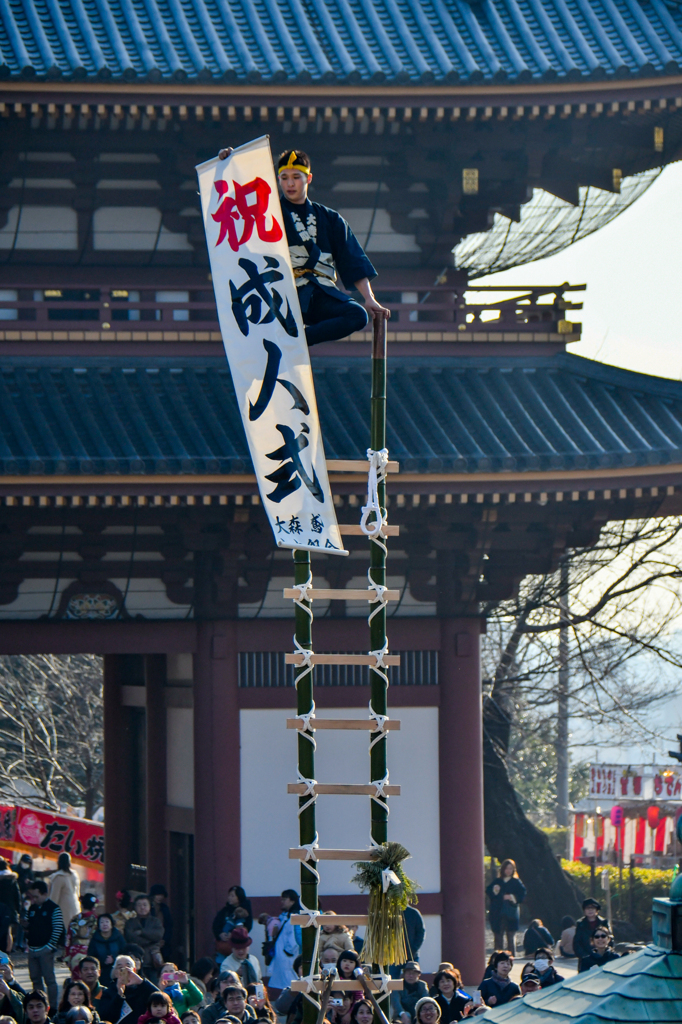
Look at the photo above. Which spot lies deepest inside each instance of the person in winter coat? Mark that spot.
(505, 893)
(450, 996)
(236, 912)
(544, 968)
(10, 892)
(11, 992)
(76, 993)
(158, 896)
(287, 945)
(106, 944)
(601, 953)
(146, 931)
(81, 929)
(587, 926)
(65, 888)
(180, 987)
(159, 1008)
(414, 932)
(405, 1000)
(128, 988)
(245, 965)
(334, 936)
(125, 910)
(535, 937)
(498, 989)
(567, 936)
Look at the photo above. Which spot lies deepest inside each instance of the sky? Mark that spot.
(632, 317)
(632, 314)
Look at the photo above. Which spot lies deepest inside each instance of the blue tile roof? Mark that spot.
(445, 414)
(395, 41)
(645, 986)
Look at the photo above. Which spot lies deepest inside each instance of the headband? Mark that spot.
(291, 164)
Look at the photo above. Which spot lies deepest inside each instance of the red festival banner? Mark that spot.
(27, 828)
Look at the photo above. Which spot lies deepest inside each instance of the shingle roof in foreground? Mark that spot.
(645, 986)
(445, 414)
(399, 41)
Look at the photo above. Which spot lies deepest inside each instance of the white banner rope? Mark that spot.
(378, 462)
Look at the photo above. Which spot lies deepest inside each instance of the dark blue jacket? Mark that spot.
(103, 948)
(504, 913)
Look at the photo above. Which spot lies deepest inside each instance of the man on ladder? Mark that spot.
(323, 248)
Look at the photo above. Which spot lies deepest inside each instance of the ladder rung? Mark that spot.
(341, 789)
(337, 986)
(390, 660)
(298, 854)
(342, 595)
(356, 466)
(353, 530)
(342, 919)
(343, 723)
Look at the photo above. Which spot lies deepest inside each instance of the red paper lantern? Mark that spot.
(616, 816)
(652, 816)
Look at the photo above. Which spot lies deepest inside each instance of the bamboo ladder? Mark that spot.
(304, 594)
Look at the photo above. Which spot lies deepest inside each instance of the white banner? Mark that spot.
(264, 338)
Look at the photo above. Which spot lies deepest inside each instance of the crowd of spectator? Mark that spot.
(121, 971)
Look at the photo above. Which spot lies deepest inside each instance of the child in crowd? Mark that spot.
(334, 936)
(180, 987)
(159, 1008)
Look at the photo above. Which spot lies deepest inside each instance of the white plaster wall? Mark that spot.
(269, 819)
(180, 757)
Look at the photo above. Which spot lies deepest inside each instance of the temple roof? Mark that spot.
(643, 986)
(446, 414)
(399, 41)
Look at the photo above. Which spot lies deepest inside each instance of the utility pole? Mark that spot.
(562, 758)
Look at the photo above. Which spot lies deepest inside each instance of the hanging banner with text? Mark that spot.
(38, 831)
(264, 338)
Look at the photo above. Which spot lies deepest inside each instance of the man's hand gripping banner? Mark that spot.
(264, 338)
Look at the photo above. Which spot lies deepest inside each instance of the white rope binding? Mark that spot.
(309, 791)
(379, 796)
(379, 730)
(309, 979)
(305, 718)
(310, 856)
(378, 463)
(379, 664)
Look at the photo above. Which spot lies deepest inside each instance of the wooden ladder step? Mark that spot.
(298, 854)
(343, 723)
(353, 530)
(341, 595)
(390, 660)
(342, 919)
(341, 789)
(339, 986)
(356, 466)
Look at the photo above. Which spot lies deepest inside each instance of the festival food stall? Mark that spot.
(45, 834)
(630, 811)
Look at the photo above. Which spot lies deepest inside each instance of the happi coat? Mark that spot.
(323, 249)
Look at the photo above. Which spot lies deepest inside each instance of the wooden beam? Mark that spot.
(353, 530)
(297, 854)
(343, 723)
(356, 466)
(341, 595)
(342, 919)
(341, 789)
(390, 660)
(340, 986)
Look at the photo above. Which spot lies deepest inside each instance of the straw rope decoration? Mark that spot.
(390, 892)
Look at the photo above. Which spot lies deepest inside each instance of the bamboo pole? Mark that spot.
(306, 766)
(377, 628)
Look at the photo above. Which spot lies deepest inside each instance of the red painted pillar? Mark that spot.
(461, 797)
(157, 837)
(118, 782)
(217, 821)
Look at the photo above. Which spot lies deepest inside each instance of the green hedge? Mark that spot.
(647, 883)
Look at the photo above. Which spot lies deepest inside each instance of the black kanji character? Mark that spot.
(290, 474)
(330, 545)
(295, 525)
(270, 379)
(281, 527)
(316, 524)
(314, 543)
(94, 849)
(249, 298)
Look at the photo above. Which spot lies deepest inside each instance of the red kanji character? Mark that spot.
(658, 785)
(637, 783)
(231, 210)
(624, 785)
